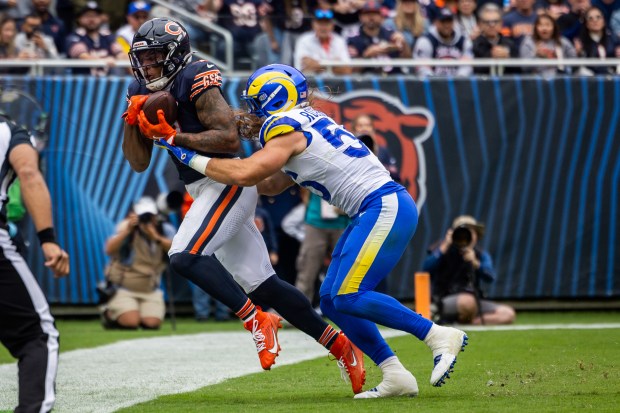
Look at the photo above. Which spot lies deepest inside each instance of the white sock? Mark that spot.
(391, 364)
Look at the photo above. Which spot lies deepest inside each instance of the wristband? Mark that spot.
(199, 163)
(47, 235)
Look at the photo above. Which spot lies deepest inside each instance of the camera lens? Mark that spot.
(146, 217)
(461, 237)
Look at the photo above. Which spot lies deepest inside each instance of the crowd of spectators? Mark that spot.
(305, 33)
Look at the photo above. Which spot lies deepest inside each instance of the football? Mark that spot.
(160, 100)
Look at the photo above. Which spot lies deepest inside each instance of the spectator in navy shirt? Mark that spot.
(51, 25)
(90, 42)
(375, 41)
(519, 22)
(444, 41)
(596, 41)
(240, 17)
(570, 23)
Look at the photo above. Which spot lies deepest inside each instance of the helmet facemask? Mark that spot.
(144, 59)
(162, 44)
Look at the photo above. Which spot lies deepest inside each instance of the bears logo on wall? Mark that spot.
(401, 129)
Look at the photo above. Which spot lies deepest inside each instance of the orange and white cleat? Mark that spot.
(264, 328)
(351, 362)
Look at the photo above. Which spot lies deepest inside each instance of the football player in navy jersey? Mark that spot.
(218, 239)
(304, 146)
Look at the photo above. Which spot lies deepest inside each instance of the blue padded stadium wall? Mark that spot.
(537, 160)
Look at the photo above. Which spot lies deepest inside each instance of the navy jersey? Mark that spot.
(296, 17)
(241, 18)
(102, 46)
(189, 84)
(358, 44)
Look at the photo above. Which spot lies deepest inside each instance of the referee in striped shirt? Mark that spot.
(27, 328)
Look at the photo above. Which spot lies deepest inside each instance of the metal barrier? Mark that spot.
(40, 65)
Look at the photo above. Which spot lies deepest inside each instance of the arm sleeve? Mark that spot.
(302, 50)
(423, 49)
(568, 48)
(527, 49)
(467, 54)
(614, 23)
(293, 222)
(19, 136)
(432, 260)
(486, 272)
(169, 230)
(52, 52)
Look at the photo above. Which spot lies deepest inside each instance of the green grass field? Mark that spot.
(500, 371)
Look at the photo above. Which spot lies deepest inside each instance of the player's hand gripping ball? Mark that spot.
(157, 115)
(160, 100)
(134, 106)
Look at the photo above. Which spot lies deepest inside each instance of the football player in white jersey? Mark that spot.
(304, 146)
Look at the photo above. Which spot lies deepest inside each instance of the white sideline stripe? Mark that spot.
(107, 378)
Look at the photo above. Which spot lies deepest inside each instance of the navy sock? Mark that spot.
(210, 275)
(291, 304)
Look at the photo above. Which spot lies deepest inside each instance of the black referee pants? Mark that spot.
(27, 330)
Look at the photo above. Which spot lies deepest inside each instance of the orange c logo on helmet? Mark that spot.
(402, 129)
(173, 28)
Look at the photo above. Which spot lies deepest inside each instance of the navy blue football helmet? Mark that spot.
(159, 42)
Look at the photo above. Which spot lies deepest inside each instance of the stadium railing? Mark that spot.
(39, 66)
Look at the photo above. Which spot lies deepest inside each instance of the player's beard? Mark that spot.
(248, 124)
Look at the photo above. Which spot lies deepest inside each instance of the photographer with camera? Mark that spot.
(138, 254)
(457, 266)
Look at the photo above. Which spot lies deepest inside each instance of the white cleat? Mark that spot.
(446, 343)
(394, 384)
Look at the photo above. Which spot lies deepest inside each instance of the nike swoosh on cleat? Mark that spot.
(354, 360)
(274, 349)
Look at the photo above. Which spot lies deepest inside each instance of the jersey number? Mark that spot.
(336, 136)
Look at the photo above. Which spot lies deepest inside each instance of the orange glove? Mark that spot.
(134, 106)
(160, 131)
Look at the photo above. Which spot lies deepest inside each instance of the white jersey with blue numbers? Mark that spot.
(335, 165)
